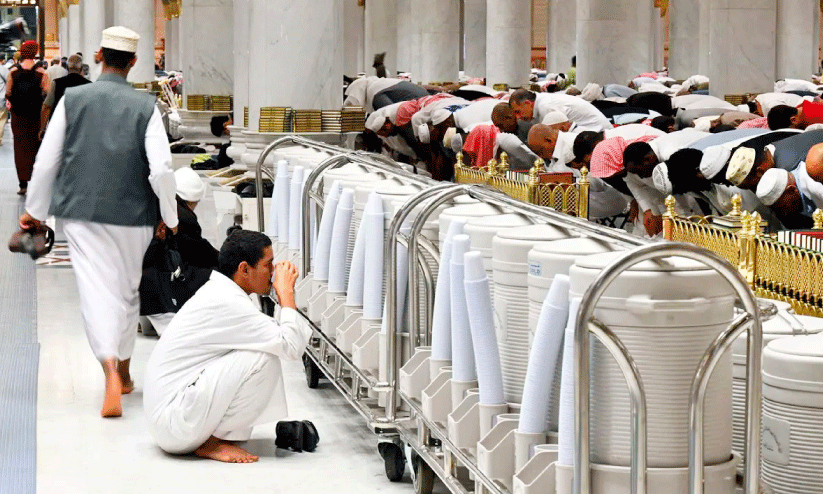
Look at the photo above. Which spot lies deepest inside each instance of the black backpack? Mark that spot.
(26, 93)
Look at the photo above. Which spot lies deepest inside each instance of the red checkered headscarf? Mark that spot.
(813, 111)
(607, 157)
(480, 143)
(755, 123)
(406, 111)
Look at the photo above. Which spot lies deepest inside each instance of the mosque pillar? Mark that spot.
(94, 22)
(354, 29)
(562, 43)
(474, 37)
(208, 66)
(404, 33)
(614, 40)
(381, 34)
(63, 33)
(742, 46)
(75, 28)
(685, 38)
(440, 41)
(417, 40)
(508, 42)
(241, 44)
(797, 38)
(138, 15)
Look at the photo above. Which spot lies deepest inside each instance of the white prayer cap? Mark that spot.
(555, 117)
(772, 185)
(447, 137)
(120, 38)
(423, 134)
(376, 121)
(740, 165)
(714, 158)
(660, 177)
(817, 126)
(591, 92)
(190, 186)
(704, 124)
(440, 116)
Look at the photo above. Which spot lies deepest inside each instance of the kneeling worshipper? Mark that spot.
(164, 289)
(216, 372)
(103, 171)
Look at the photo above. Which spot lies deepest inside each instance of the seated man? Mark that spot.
(216, 371)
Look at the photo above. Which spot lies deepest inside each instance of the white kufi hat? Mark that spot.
(120, 38)
(772, 185)
(714, 159)
(740, 165)
(660, 176)
(376, 121)
(555, 117)
(190, 186)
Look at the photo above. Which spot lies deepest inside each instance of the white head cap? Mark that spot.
(660, 176)
(740, 165)
(447, 137)
(440, 116)
(714, 158)
(772, 185)
(591, 92)
(120, 38)
(190, 186)
(376, 121)
(423, 134)
(555, 117)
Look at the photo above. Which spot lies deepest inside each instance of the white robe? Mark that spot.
(216, 370)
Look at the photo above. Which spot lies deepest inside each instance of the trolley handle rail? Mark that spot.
(585, 323)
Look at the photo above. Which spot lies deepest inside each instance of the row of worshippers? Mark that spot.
(639, 146)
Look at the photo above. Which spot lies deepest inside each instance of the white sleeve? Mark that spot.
(648, 199)
(161, 177)
(47, 164)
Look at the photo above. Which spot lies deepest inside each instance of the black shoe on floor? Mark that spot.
(297, 435)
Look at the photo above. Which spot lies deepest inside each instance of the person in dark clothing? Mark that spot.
(58, 89)
(220, 128)
(159, 301)
(402, 91)
(25, 92)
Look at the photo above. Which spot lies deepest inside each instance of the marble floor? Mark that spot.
(78, 452)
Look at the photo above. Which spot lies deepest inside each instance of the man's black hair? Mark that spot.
(217, 125)
(780, 117)
(241, 245)
(584, 144)
(521, 95)
(635, 152)
(662, 123)
(116, 58)
(683, 165)
(721, 128)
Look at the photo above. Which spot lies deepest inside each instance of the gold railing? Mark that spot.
(571, 198)
(773, 269)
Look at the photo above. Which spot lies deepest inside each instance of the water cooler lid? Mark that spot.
(366, 187)
(795, 363)
(512, 245)
(550, 258)
(483, 229)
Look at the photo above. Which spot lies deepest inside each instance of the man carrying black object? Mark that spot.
(215, 373)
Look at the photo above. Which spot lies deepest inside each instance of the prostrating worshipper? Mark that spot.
(691, 203)
(698, 101)
(504, 118)
(521, 158)
(715, 164)
(361, 92)
(161, 292)
(659, 102)
(784, 194)
(26, 90)
(103, 170)
(607, 161)
(399, 140)
(216, 372)
(750, 161)
(58, 88)
(402, 91)
(617, 91)
(625, 115)
(542, 141)
(633, 131)
(530, 106)
(666, 124)
(764, 102)
(425, 114)
(478, 148)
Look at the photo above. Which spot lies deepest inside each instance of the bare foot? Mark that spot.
(220, 450)
(125, 376)
(114, 387)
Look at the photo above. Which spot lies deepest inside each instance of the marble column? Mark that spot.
(209, 66)
(241, 43)
(354, 34)
(742, 46)
(562, 43)
(63, 26)
(75, 29)
(797, 38)
(705, 24)
(404, 32)
(138, 15)
(94, 22)
(440, 41)
(508, 42)
(110, 7)
(417, 40)
(474, 37)
(684, 38)
(381, 34)
(614, 40)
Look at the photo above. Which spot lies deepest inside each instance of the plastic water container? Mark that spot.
(464, 212)
(667, 313)
(350, 175)
(773, 329)
(482, 230)
(792, 441)
(510, 252)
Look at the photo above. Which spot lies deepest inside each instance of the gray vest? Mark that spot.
(104, 177)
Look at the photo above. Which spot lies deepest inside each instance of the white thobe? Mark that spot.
(476, 113)
(633, 131)
(107, 259)
(579, 111)
(216, 370)
(424, 116)
(666, 145)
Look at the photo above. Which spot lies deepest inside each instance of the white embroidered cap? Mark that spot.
(555, 117)
(714, 159)
(772, 185)
(120, 38)
(740, 165)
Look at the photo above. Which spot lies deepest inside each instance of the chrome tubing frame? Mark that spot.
(582, 462)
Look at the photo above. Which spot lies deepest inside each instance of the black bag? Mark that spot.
(26, 93)
(170, 283)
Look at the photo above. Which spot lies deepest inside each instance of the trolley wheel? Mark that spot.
(393, 459)
(313, 373)
(422, 476)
